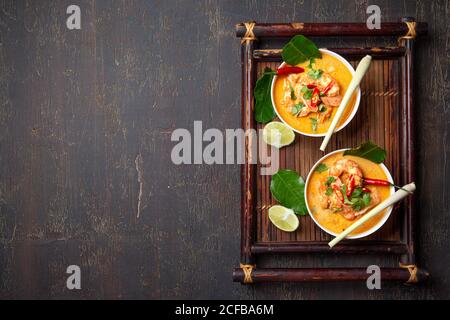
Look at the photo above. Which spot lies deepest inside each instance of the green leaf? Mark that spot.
(329, 191)
(264, 111)
(299, 49)
(321, 168)
(288, 188)
(322, 108)
(369, 151)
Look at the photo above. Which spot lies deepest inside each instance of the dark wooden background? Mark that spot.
(85, 123)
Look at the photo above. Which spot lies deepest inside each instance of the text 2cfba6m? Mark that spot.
(231, 309)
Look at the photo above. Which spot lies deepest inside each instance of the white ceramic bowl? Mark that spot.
(355, 109)
(360, 235)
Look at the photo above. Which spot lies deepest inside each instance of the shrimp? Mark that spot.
(304, 111)
(331, 194)
(325, 80)
(293, 94)
(349, 213)
(347, 167)
(326, 115)
(295, 81)
(332, 101)
(335, 200)
(337, 189)
(298, 79)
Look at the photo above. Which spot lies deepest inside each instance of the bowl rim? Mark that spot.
(359, 235)
(351, 116)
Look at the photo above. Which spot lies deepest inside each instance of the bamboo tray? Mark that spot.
(385, 116)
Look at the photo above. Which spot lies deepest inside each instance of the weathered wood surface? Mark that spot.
(85, 124)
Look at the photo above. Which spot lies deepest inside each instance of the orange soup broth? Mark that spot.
(335, 222)
(339, 72)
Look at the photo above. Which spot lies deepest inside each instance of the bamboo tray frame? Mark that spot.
(401, 239)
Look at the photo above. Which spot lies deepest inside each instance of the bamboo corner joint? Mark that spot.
(413, 270)
(247, 269)
(411, 34)
(249, 35)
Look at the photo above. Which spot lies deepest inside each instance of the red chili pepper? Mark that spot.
(289, 70)
(366, 190)
(376, 182)
(379, 182)
(311, 86)
(350, 185)
(315, 98)
(328, 87)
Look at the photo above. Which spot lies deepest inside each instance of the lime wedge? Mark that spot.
(283, 218)
(277, 134)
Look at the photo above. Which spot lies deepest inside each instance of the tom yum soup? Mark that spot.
(339, 191)
(307, 101)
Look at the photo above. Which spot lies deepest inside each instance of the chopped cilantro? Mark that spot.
(315, 74)
(313, 124)
(357, 206)
(296, 109)
(366, 199)
(293, 96)
(357, 193)
(322, 108)
(344, 194)
(321, 168)
(311, 62)
(359, 199)
(330, 180)
(307, 93)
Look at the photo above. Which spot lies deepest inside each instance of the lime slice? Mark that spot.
(277, 134)
(283, 218)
